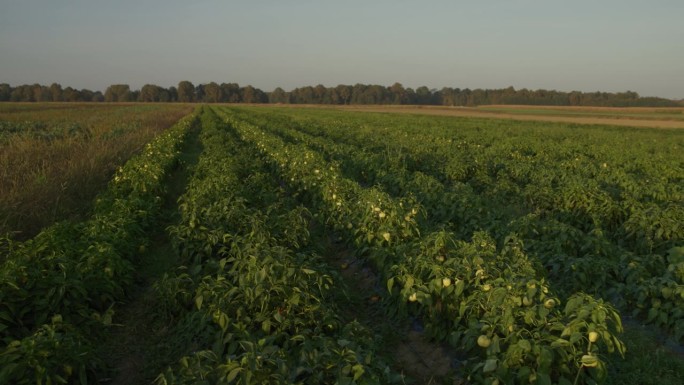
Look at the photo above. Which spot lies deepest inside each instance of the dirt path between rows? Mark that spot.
(412, 353)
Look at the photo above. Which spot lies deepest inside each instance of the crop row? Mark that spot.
(261, 303)
(487, 301)
(581, 177)
(576, 256)
(58, 290)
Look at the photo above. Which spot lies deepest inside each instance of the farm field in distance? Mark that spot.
(651, 117)
(354, 245)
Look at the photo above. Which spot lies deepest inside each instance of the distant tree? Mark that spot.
(261, 96)
(357, 94)
(97, 97)
(376, 94)
(86, 95)
(446, 97)
(5, 92)
(150, 93)
(42, 93)
(320, 95)
(341, 94)
(164, 95)
(344, 94)
(23, 93)
(186, 92)
(212, 93)
(199, 93)
(460, 96)
(334, 96)
(231, 92)
(477, 97)
(173, 94)
(302, 95)
(16, 94)
(410, 96)
(70, 95)
(56, 92)
(575, 98)
(423, 95)
(250, 94)
(119, 93)
(398, 94)
(278, 96)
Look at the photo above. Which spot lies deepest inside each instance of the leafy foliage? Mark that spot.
(58, 290)
(515, 247)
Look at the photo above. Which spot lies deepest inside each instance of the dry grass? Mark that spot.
(64, 154)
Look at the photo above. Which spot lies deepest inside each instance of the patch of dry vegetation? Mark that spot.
(54, 158)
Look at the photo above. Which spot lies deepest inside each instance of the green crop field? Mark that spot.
(638, 113)
(266, 245)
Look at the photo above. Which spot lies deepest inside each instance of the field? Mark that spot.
(630, 117)
(277, 245)
(54, 158)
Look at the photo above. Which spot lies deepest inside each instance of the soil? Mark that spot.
(423, 361)
(139, 329)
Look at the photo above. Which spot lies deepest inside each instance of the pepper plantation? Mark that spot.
(273, 245)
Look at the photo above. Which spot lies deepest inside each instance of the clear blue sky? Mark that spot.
(606, 45)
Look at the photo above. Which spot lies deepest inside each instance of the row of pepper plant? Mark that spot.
(255, 303)
(58, 291)
(626, 246)
(486, 300)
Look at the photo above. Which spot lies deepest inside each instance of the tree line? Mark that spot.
(186, 92)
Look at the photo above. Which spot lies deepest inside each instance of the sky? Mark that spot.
(597, 45)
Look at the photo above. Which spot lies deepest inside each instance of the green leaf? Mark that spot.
(408, 283)
(545, 359)
(233, 373)
(294, 299)
(184, 362)
(525, 345)
(589, 360)
(460, 285)
(560, 343)
(574, 337)
(543, 379)
(490, 365)
(572, 304)
(462, 308)
(358, 371)
(223, 321)
(298, 338)
(198, 301)
(675, 255)
(390, 284)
